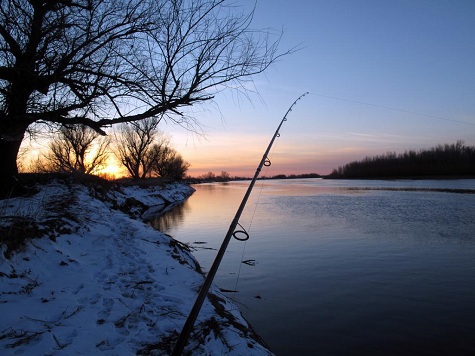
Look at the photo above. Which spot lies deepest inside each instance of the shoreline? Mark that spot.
(93, 276)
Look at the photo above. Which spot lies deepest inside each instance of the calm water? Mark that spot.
(335, 270)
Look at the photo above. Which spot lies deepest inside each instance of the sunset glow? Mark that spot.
(113, 169)
(382, 76)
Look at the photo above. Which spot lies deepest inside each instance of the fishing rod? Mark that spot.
(232, 232)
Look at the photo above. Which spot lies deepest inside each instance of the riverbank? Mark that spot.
(80, 272)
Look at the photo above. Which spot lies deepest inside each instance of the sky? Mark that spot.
(382, 76)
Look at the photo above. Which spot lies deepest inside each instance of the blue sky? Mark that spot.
(359, 60)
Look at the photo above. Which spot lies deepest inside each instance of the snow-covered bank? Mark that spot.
(95, 278)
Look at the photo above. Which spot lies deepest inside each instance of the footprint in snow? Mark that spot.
(106, 311)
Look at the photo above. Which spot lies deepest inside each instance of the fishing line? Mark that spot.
(246, 233)
(243, 235)
(190, 321)
(394, 109)
(251, 222)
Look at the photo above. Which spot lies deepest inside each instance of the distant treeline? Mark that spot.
(293, 176)
(442, 160)
(225, 177)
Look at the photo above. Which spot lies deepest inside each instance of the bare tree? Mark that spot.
(224, 177)
(102, 62)
(77, 149)
(210, 176)
(170, 164)
(139, 145)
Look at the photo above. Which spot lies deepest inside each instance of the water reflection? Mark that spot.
(172, 218)
(359, 267)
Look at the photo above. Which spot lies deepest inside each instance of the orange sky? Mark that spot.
(320, 135)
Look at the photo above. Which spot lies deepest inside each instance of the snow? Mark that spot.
(97, 279)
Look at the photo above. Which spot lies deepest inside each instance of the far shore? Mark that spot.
(305, 176)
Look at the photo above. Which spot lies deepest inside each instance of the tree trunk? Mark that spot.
(12, 130)
(8, 166)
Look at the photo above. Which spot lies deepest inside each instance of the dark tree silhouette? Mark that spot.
(442, 160)
(170, 164)
(102, 62)
(139, 145)
(70, 149)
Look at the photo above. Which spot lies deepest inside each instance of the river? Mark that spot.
(340, 267)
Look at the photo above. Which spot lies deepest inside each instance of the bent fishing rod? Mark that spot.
(232, 232)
